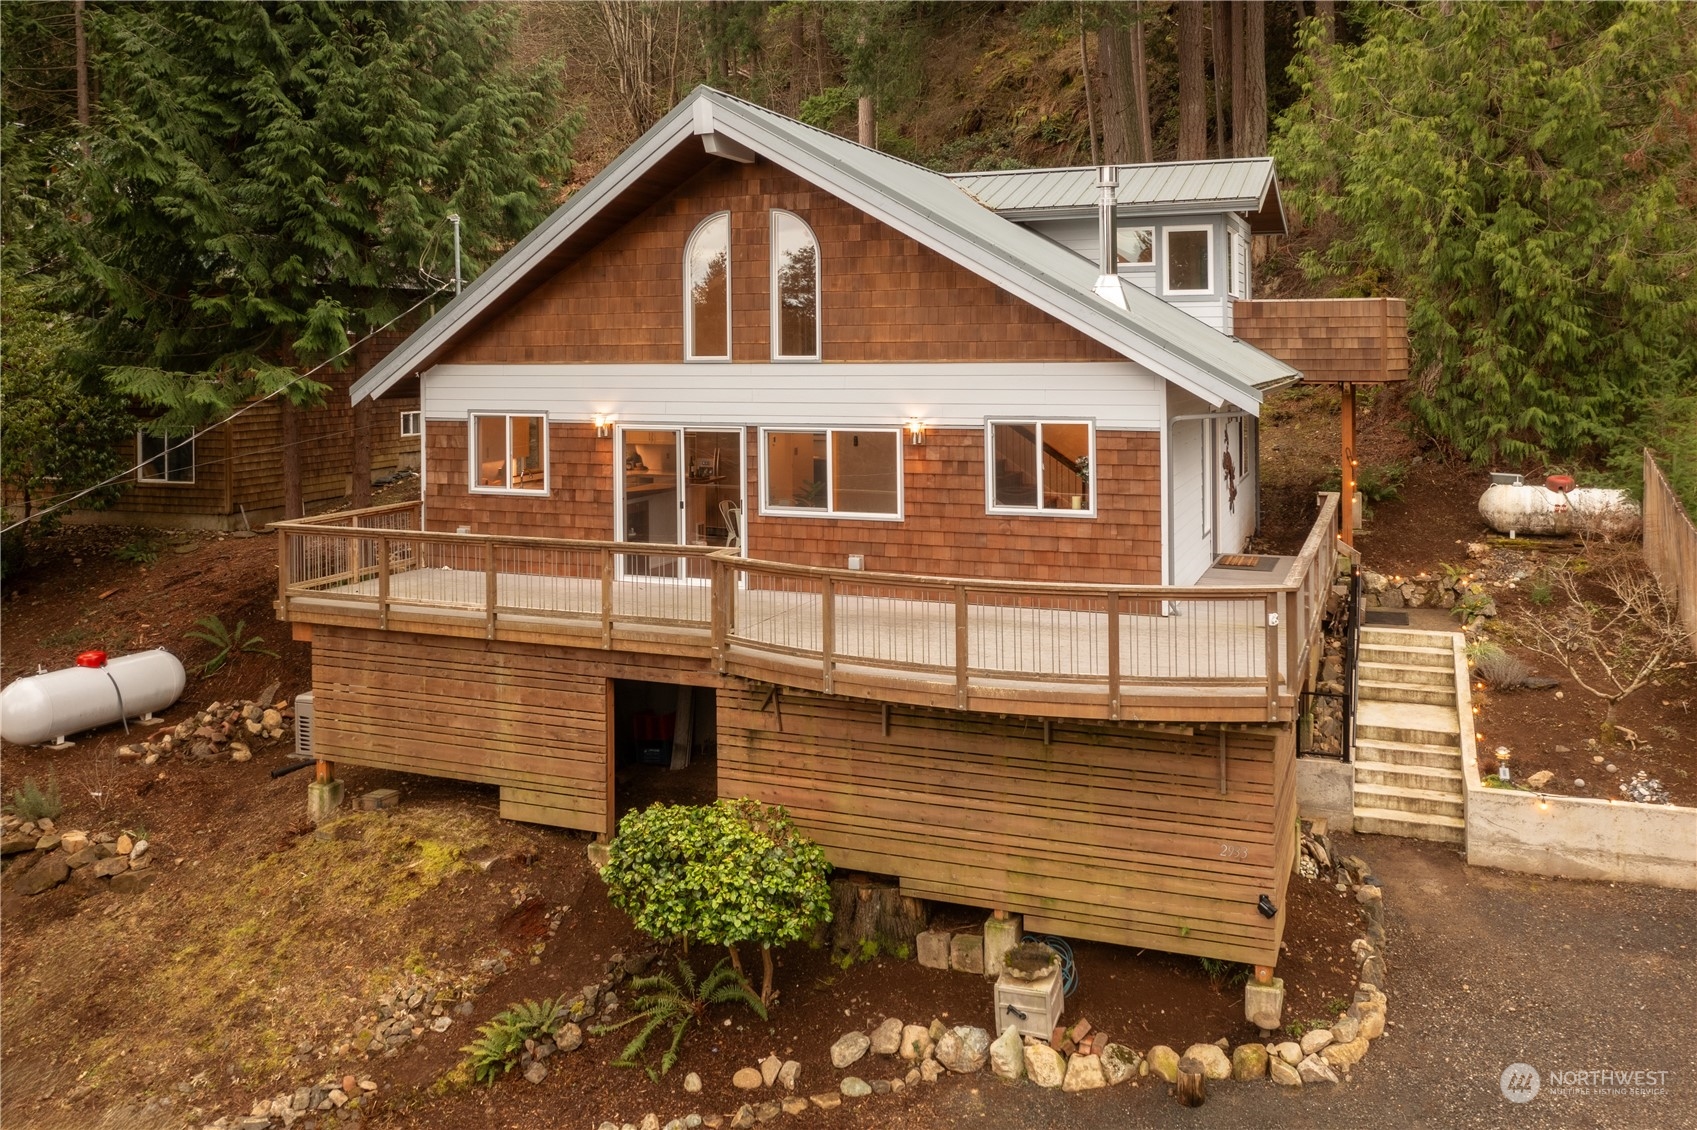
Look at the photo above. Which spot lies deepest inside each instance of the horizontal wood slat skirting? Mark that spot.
(1106, 832)
(1332, 340)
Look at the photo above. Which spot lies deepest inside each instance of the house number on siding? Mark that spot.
(1233, 851)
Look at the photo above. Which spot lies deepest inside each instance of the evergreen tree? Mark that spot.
(268, 179)
(1523, 174)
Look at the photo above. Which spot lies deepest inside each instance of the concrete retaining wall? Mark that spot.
(1325, 790)
(1573, 837)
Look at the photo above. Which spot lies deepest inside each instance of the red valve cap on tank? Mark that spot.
(94, 657)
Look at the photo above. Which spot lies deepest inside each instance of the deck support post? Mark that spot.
(1346, 504)
(324, 794)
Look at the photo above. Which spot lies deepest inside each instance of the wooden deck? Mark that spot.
(1223, 652)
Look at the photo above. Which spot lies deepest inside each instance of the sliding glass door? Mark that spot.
(679, 486)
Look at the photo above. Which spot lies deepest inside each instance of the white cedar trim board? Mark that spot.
(1115, 394)
(1190, 549)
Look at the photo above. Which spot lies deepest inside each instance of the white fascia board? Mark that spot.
(1185, 375)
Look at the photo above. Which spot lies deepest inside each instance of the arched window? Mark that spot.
(795, 289)
(707, 294)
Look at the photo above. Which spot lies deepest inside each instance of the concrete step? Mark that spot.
(1405, 692)
(1407, 655)
(1407, 723)
(1416, 825)
(1444, 779)
(1405, 637)
(1405, 755)
(1407, 673)
(1392, 798)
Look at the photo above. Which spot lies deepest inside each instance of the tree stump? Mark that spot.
(866, 910)
(1192, 1082)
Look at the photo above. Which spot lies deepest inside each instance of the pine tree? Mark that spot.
(268, 179)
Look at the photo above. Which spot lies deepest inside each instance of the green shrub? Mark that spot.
(726, 873)
(678, 1003)
(31, 803)
(228, 642)
(138, 552)
(500, 1041)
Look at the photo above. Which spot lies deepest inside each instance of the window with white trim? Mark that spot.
(849, 472)
(707, 291)
(1189, 262)
(509, 453)
(1041, 465)
(1134, 246)
(795, 289)
(164, 458)
(411, 423)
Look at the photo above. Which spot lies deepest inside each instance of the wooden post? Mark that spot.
(721, 574)
(1271, 601)
(1114, 656)
(1296, 633)
(606, 598)
(283, 572)
(1192, 1082)
(961, 644)
(382, 581)
(1346, 504)
(324, 772)
(827, 628)
(490, 590)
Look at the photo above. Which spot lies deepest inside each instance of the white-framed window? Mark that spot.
(707, 290)
(1040, 466)
(411, 423)
(832, 472)
(1187, 252)
(166, 458)
(509, 453)
(1239, 266)
(1134, 246)
(795, 289)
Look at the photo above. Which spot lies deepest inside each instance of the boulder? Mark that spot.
(1316, 1070)
(963, 1049)
(769, 1068)
(1313, 1041)
(848, 1049)
(933, 947)
(1346, 1055)
(916, 1042)
(854, 1087)
(44, 876)
(106, 868)
(15, 843)
(1539, 779)
(746, 1079)
(1372, 1020)
(1007, 1056)
(1119, 1063)
(124, 844)
(788, 1074)
(1214, 1063)
(72, 842)
(1290, 1051)
(1345, 1028)
(569, 1038)
(966, 953)
(1284, 1074)
(1044, 1065)
(1249, 1061)
(93, 853)
(1163, 1061)
(1084, 1073)
(887, 1037)
(132, 882)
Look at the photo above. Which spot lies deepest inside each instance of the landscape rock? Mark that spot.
(848, 1049)
(1249, 1061)
(794, 1105)
(1084, 1073)
(887, 1037)
(72, 842)
(1007, 1055)
(1346, 1055)
(746, 1079)
(132, 882)
(829, 1101)
(1541, 778)
(1119, 1063)
(47, 842)
(1044, 1065)
(933, 947)
(569, 1038)
(1214, 1063)
(769, 1068)
(1291, 1052)
(916, 1042)
(1345, 1028)
(44, 876)
(767, 1111)
(930, 1070)
(963, 1049)
(966, 953)
(138, 849)
(1316, 1070)
(692, 1083)
(1163, 1061)
(16, 844)
(743, 1119)
(1313, 1041)
(124, 844)
(880, 1086)
(650, 1121)
(93, 853)
(854, 1087)
(788, 1074)
(535, 1073)
(1284, 1074)
(106, 868)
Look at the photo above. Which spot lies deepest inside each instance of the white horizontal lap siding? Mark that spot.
(1207, 309)
(1113, 394)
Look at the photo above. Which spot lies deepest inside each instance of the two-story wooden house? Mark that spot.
(929, 499)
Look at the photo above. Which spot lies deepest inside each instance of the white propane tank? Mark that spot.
(1518, 508)
(39, 708)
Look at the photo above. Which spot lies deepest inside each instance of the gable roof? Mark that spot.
(921, 204)
(1241, 184)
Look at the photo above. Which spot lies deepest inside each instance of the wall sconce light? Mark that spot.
(916, 431)
(603, 426)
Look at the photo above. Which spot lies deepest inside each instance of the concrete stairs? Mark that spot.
(1408, 778)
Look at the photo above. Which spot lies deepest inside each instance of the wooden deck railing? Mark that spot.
(1105, 651)
(1670, 543)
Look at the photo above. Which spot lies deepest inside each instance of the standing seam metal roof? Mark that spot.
(1240, 183)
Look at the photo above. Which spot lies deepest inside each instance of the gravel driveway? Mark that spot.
(1487, 968)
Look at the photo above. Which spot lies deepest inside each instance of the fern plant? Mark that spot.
(228, 642)
(141, 552)
(500, 1041)
(679, 1003)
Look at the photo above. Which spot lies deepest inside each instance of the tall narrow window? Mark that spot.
(1188, 267)
(509, 453)
(795, 290)
(707, 291)
(1040, 465)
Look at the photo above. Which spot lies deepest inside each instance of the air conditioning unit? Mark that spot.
(303, 726)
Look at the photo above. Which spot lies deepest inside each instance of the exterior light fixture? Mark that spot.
(916, 431)
(1266, 907)
(603, 426)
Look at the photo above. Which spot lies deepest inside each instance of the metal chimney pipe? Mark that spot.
(1107, 182)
